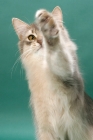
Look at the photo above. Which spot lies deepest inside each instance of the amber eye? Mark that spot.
(31, 37)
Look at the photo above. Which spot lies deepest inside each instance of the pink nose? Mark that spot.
(39, 41)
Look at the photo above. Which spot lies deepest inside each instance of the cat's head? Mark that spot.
(30, 36)
(30, 42)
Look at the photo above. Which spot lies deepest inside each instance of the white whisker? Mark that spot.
(16, 52)
(18, 59)
(60, 21)
(15, 64)
(22, 55)
(27, 20)
(21, 70)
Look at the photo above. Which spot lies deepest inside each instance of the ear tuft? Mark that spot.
(57, 13)
(20, 27)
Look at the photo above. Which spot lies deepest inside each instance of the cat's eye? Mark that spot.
(31, 37)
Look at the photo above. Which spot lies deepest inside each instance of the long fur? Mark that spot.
(60, 105)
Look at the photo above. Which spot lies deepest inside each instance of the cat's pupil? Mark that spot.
(31, 37)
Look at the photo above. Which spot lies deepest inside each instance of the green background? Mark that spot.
(16, 121)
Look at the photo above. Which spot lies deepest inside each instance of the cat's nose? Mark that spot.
(39, 41)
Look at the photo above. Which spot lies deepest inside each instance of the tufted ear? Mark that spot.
(20, 27)
(57, 13)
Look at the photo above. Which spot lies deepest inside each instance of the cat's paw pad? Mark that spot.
(46, 23)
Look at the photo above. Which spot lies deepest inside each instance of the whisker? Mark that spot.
(16, 52)
(21, 70)
(22, 56)
(10, 29)
(60, 21)
(26, 55)
(14, 65)
(27, 20)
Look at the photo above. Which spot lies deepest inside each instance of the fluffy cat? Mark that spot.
(61, 108)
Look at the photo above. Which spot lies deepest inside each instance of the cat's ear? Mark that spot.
(57, 13)
(20, 27)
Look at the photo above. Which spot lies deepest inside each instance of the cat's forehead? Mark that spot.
(33, 29)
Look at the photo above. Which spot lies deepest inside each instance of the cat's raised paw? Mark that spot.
(46, 23)
(39, 13)
(42, 17)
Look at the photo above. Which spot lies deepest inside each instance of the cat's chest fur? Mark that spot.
(61, 118)
(52, 108)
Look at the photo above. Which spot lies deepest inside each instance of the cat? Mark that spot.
(62, 110)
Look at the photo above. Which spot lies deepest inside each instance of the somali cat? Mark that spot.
(61, 108)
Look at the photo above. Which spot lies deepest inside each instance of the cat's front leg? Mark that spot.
(58, 54)
(47, 25)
